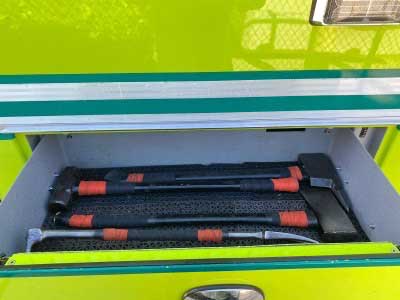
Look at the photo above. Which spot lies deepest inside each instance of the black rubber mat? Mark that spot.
(190, 203)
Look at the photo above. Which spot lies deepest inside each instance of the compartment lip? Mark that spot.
(202, 265)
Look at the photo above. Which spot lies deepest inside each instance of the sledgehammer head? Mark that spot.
(35, 235)
(61, 193)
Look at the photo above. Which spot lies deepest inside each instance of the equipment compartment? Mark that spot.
(185, 203)
(374, 202)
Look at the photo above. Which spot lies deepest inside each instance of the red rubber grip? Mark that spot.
(82, 221)
(89, 188)
(209, 235)
(286, 185)
(293, 219)
(135, 177)
(295, 172)
(112, 234)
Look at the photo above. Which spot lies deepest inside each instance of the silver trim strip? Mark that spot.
(198, 89)
(199, 121)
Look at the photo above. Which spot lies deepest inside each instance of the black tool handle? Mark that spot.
(286, 218)
(202, 235)
(95, 188)
(270, 185)
(267, 174)
(91, 188)
(151, 178)
(170, 177)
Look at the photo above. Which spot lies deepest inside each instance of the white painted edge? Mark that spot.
(199, 121)
(198, 89)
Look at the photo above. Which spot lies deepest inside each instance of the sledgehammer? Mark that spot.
(68, 184)
(315, 168)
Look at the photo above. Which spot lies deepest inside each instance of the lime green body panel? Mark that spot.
(158, 36)
(14, 153)
(201, 253)
(89, 36)
(388, 156)
(281, 272)
(378, 283)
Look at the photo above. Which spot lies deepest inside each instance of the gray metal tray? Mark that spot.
(375, 203)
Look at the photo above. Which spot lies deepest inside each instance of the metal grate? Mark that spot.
(181, 203)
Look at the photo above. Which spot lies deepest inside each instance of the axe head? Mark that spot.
(335, 223)
(322, 173)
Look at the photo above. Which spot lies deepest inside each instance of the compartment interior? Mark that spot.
(185, 203)
(374, 202)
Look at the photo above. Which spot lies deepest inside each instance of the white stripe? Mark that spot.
(199, 121)
(198, 89)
